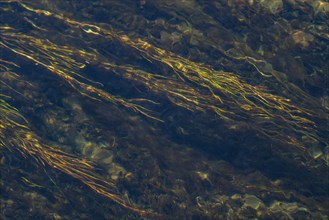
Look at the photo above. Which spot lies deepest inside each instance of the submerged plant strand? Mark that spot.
(189, 85)
(16, 135)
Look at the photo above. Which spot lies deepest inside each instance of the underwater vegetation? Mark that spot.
(127, 99)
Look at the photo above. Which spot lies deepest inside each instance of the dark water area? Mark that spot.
(169, 109)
